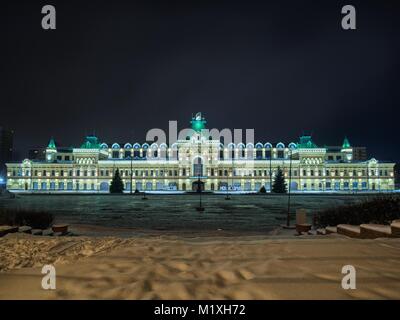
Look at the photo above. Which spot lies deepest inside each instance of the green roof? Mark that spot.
(52, 144)
(306, 143)
(346, 143)
(91, 142)
(198, 122)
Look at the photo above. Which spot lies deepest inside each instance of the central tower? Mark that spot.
(198, 122)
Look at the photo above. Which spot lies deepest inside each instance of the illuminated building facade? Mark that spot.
(199, 160)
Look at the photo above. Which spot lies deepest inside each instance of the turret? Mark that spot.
(51, 150)
(347, 150)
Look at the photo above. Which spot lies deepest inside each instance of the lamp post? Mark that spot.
(289, 188)
(131, 173)
(270, 171)
(200, 172)
(227, 180)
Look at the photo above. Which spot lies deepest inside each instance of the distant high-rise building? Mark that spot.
(6, 148)
(360, 153)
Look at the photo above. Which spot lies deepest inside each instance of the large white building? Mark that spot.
(199, 157)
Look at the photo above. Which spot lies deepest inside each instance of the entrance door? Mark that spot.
(198, 186)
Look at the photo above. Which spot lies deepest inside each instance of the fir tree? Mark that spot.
(279, 185)
(116, 184)
(262, 190)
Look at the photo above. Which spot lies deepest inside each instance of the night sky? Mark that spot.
(120, 68)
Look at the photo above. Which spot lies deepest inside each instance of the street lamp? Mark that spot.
(270, 171)
(131, 158)
(289, 188)
(227, 180)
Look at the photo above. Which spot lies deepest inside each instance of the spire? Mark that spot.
(52, 144)
(346, 143)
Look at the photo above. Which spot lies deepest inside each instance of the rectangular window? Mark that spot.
(364, 185)
(328, 185)
(127, 154)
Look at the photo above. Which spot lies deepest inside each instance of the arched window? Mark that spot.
(268, 150)
(242, 150)
(221, 151)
